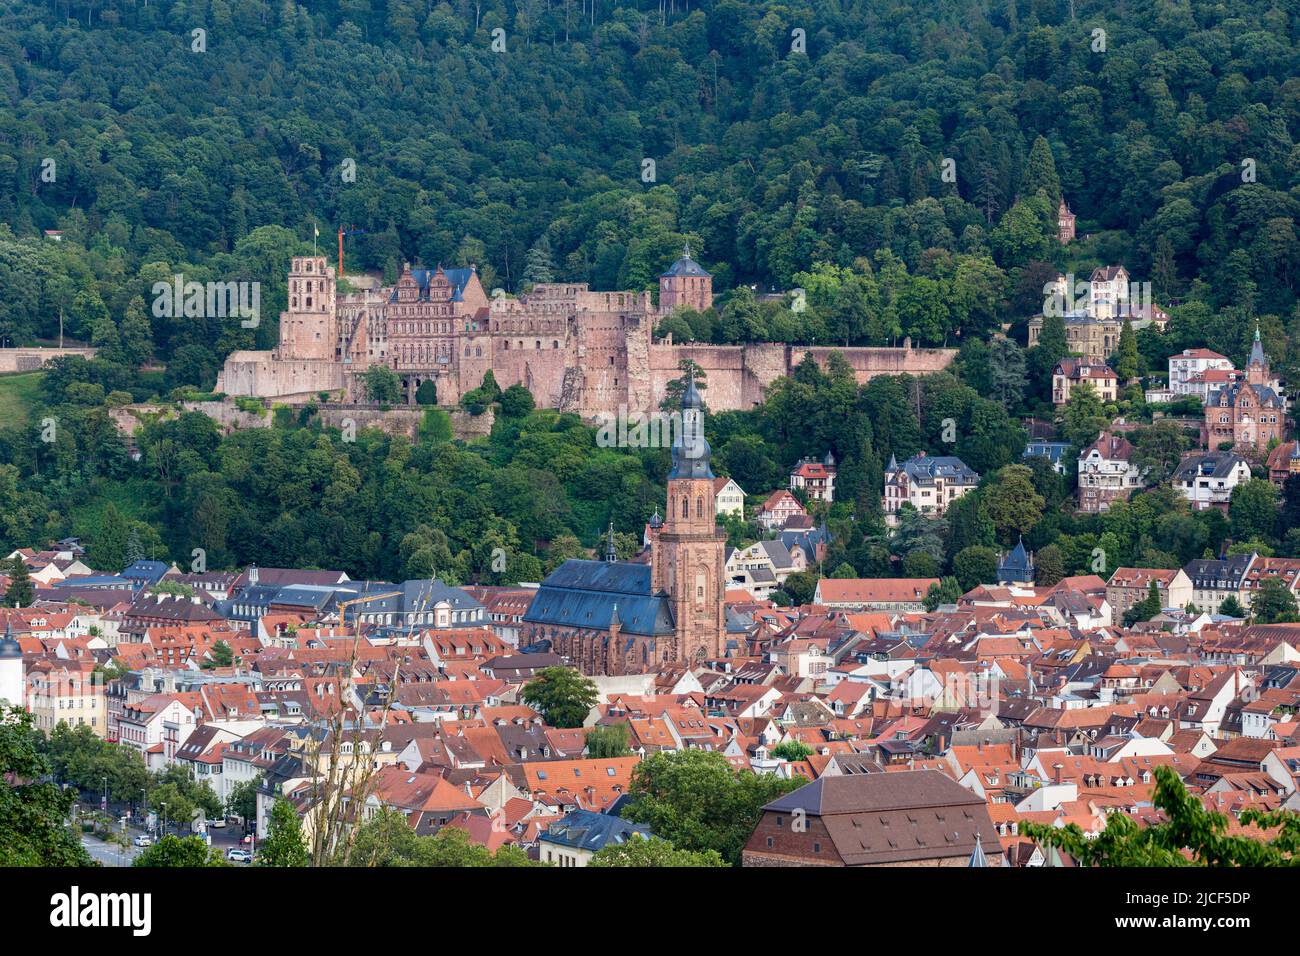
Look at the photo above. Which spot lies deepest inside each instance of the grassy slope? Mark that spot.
(18, 394)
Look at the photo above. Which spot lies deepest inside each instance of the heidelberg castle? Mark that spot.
(574, 349)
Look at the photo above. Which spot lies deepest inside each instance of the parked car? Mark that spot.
(238, 855)
(216, 823)
(143, 839)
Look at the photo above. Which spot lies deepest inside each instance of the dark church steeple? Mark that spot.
(687, 554)
(691, 451)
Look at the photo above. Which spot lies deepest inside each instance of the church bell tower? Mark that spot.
(687, 555)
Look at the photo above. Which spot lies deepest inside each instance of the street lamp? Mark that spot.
(164, 818)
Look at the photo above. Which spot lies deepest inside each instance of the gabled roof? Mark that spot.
(457, 279)
(1111, 447)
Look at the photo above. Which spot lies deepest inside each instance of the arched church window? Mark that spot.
(699, 507)
(686, 507)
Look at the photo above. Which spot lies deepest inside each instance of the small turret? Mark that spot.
(9, 646)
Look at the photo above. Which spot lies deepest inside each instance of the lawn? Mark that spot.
(19, 392)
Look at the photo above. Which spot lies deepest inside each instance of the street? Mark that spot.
(108, 854)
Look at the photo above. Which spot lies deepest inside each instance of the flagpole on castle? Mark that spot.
(315, 232)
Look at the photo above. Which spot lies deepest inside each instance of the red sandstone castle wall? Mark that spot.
(737, 375)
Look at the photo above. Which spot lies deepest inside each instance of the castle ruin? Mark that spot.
(573, 348)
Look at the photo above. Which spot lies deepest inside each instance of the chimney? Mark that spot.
(1056, 775)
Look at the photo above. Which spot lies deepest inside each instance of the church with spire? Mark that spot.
(631, 617)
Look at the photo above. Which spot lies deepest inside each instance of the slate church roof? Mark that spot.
(588, 594)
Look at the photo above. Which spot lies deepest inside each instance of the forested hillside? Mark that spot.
(1169, 127)
(529, 161)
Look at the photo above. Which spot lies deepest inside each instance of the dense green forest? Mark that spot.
(782, 166)
(794, 145)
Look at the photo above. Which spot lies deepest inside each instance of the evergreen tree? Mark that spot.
(107, 550)
(947, 591)
(1127, 362)
(21, 593)
(538, 266)
(1040, 173)
(1006, 372)
(1231, 607)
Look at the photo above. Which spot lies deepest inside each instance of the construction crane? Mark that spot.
(344, 605)
(348, 231)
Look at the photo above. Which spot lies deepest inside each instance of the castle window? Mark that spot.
(309, 302)
(555, 345)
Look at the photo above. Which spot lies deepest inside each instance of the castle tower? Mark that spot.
(11, 668)
(687, 551)
(308, 330)
(1064, 224)
(685, 284)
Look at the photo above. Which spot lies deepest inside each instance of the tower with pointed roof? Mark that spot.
(1257, 370)
(1017, 566)
(1065, 221)
(685, 285)
(687, 552)
(11, 667)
